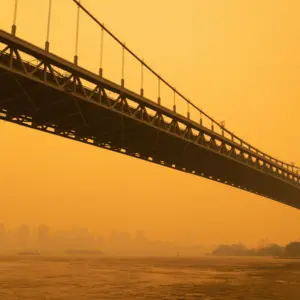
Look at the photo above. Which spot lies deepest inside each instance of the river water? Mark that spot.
(78, 278)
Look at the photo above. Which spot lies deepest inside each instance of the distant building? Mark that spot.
(43, 235)
(22, 236)
(140, 236)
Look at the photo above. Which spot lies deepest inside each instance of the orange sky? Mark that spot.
(238, 60)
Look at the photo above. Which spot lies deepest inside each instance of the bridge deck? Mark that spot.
(42, 98)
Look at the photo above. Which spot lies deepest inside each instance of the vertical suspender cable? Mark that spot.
(174, 101)
(101, 53)
(142, 79)
(123, 63)
(14, 26)
(48, 26)
(77, 36)
(158, 100)
(201, 117)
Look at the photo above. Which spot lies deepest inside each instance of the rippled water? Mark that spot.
(148, 278)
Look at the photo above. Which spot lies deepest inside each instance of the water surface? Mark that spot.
(69, 277)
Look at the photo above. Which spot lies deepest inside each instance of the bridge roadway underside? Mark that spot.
(58, 110)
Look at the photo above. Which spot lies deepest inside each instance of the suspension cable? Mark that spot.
(77, 2)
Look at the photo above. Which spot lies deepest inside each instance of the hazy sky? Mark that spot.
(237, 59)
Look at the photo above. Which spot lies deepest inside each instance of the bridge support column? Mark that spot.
(158, 100)
(142, 92)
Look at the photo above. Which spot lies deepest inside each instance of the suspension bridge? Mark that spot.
(43, 91)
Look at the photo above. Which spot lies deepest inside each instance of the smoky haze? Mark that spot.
(237, 64)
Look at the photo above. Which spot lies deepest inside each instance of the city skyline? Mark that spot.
(43, 236)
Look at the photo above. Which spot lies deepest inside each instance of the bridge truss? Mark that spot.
(58, 97)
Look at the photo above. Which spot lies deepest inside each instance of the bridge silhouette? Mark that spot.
(54, 95)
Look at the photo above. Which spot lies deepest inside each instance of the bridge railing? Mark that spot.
(180, 104)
